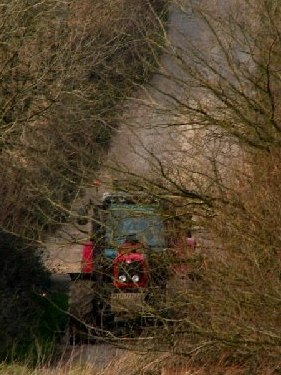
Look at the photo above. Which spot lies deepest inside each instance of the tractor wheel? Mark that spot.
(80, 310)
(80, 298)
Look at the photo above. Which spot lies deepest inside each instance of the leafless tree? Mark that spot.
(66, 67)
(219, 109)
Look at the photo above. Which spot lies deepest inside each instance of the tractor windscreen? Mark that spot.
(147, 227)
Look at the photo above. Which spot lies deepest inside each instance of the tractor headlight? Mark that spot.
(136, 278)
(122, 278)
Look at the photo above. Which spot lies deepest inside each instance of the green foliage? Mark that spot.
(54, 317)
(30, 323)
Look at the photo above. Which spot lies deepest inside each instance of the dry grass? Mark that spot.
(132, 363)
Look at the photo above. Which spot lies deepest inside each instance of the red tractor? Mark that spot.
(123, 270)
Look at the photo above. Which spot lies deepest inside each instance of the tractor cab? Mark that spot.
(123, 232)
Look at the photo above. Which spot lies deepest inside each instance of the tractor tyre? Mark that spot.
(80, 311)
